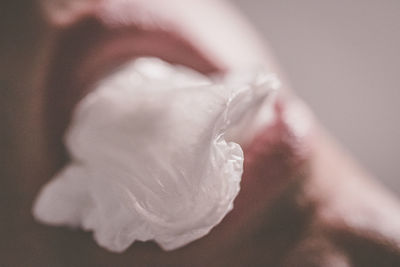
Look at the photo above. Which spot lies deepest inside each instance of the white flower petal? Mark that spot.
(149, 156)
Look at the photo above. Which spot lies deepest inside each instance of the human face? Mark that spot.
(302, 201)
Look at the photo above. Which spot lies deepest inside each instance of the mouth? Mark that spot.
(89, 49)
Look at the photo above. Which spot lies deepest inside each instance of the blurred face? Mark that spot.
(302, 203)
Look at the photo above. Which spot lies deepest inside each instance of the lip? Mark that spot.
(89, 49)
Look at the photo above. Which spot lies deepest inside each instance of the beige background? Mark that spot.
(343, 57)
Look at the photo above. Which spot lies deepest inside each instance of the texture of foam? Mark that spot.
(155, 155)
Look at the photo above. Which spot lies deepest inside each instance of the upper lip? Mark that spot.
(89, 49)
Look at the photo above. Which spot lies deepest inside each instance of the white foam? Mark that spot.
(149, 155)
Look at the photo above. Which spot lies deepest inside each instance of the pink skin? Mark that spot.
(303, 202)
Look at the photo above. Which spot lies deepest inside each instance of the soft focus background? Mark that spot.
(343, 58)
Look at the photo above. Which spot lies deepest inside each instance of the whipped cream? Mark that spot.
(155, 155)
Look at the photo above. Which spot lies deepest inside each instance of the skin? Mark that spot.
(303, 202)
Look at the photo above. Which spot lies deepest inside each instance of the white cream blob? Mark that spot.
(150, 159)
